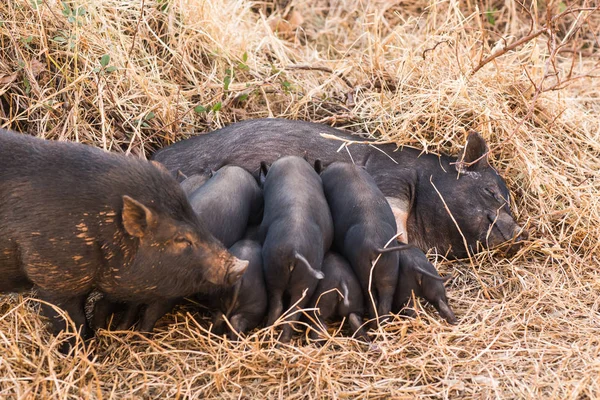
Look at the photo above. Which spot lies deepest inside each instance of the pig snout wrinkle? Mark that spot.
(311, 270)
(236, 270)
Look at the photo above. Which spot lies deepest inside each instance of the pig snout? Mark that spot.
(235, 270)
(226, 269)
(446, 312)
(520, 236)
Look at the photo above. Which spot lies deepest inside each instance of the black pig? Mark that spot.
(227, 203)
(339, 294)
(75, 218)
(364, 223)
(477, 197)
(419, 276)
(297, 230)
(244, 304)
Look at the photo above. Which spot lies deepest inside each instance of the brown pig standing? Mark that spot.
(74, 218)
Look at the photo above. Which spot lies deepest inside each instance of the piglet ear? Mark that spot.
(319, 168)
(474, 156)
(181, 176)
(264, 170)
(137, 218)
(160, 166)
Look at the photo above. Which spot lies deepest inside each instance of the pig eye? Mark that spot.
(492, 193)
(182, 240)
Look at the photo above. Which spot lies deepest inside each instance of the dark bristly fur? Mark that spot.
(76, 218)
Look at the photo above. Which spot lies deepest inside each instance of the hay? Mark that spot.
(403, 71)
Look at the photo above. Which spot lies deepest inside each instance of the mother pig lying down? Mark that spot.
(472, 190)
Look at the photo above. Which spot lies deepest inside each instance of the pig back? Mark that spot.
(60, 204)
(227, 203)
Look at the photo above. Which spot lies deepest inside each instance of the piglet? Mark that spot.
(419, 276)
(364, 223)
(296, 231)
(227, 203)
(191, 183)
(338, 295)
(244, 304)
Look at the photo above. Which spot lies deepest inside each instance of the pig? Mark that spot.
(191, 183)
(363, 224)
(419, 276)
(296, 231)
(473, 191)
(338, 294)
(244, 304)
(76, 218)
(227, 203)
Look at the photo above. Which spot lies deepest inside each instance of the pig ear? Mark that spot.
(264, 170)
(160, 166)
(474, 156)
(319, 168)
(136, 217)
(181, 176)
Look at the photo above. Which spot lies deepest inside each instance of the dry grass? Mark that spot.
(398, 69)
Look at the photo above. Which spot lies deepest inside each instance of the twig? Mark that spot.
(137, 27)
(435, 46)
(322, 69)
(546, 28)
(509, 48)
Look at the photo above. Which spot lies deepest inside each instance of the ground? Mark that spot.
(133, 76)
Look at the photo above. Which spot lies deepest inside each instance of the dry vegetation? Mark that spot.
(416, 72)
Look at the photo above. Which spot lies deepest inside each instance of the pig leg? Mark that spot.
(318, 326)
(218, 321)
(129, 317)
(102, 310)
(275, 306)
(239, 324)
(288, 331)
(74, 307)
(386, 297)
(409, 308)
(154, 311)
(356, 324)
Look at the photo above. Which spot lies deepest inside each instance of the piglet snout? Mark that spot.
(446, 312)
(236, 270)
